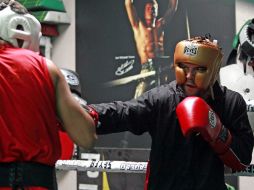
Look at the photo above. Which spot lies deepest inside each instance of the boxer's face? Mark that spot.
(190, 71)
(151, 10)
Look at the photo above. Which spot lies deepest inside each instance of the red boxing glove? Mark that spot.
(196, 116)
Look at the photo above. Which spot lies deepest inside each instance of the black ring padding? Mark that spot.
(27, 174)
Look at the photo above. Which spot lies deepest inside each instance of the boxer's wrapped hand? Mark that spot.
(92, 112)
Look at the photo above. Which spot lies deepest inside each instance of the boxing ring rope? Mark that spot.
(125, 167)
(101, 166)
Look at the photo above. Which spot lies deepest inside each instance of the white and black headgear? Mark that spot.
(243, 45)
(246, 40)
(16, 26)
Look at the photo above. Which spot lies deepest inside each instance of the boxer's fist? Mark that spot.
(195, 115)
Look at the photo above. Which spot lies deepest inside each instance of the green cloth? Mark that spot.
(46, 5)
(229, 187)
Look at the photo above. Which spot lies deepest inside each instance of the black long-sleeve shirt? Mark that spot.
(177, 162)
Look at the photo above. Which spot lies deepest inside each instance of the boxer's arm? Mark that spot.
(76, 121)
(136, 115)
(132, 13)
(73, 81)
(170, 12)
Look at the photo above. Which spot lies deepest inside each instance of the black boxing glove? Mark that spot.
(73, 80)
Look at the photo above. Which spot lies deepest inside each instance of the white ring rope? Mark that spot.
(107, 166)
(125, 167)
